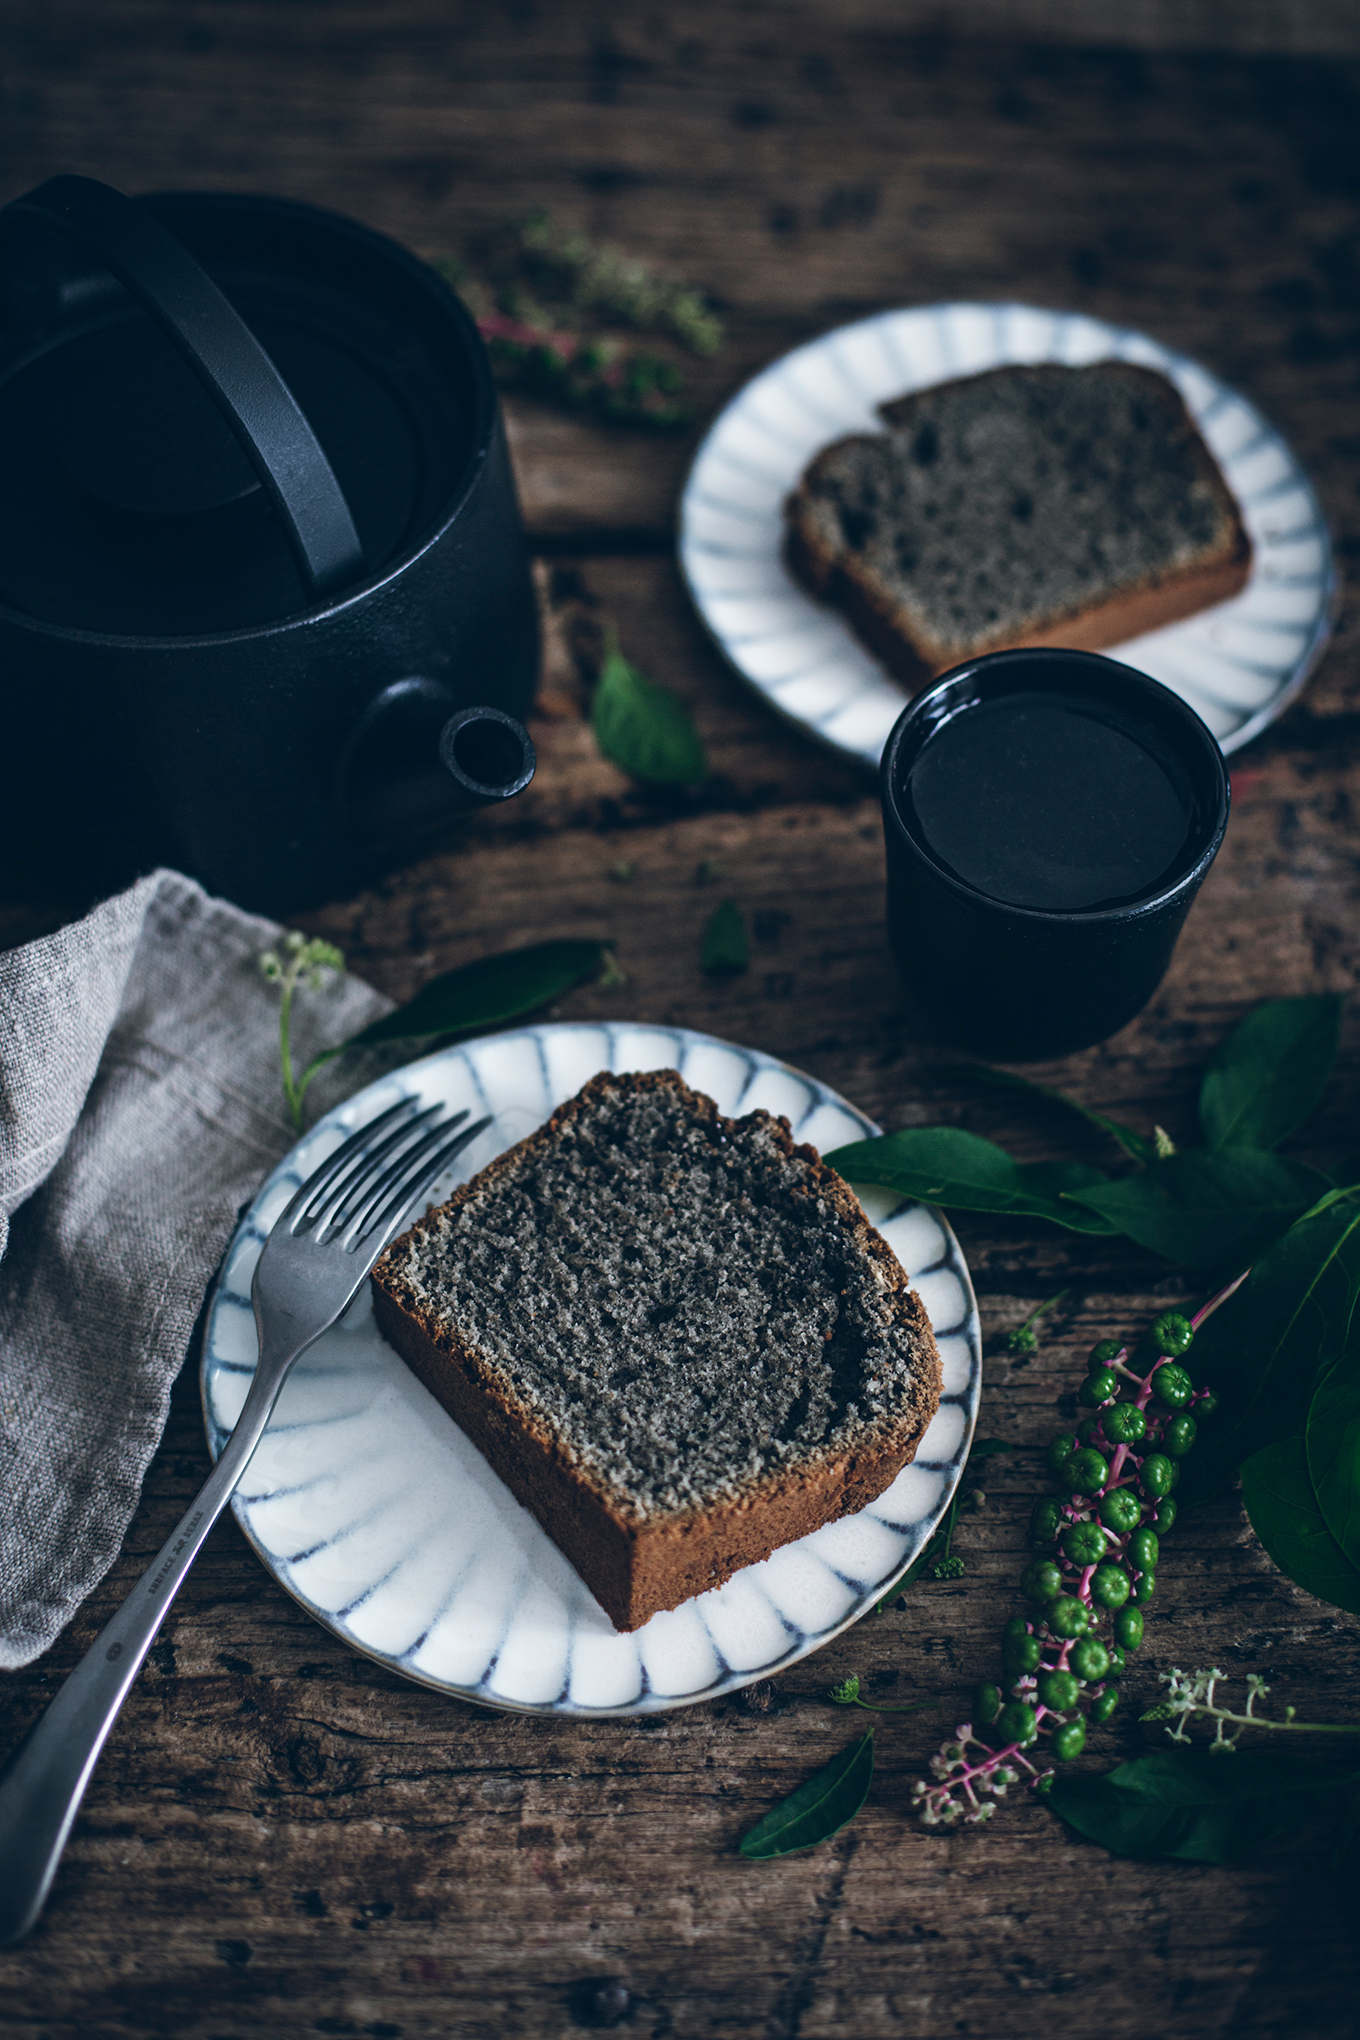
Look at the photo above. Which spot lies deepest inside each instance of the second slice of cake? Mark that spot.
(675, 1336)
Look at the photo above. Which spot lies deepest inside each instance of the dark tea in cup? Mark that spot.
(1049, 817)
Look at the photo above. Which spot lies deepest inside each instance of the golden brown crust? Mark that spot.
(637, 1565)
(912, 657)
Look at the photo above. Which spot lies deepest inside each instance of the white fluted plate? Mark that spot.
(366, 1501)
(1238, 664)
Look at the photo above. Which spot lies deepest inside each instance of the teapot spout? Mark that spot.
(488, 755)
(411, 766)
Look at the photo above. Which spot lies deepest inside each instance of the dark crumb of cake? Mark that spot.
(660, 1292)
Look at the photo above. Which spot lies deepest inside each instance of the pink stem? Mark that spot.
(500, 326)
(1214, 1301)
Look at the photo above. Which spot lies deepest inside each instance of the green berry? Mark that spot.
(1172, 1333)
(1045, 1520)
(1069, 1740)
(1175, 1473)
(1110, 1586)
(1059, 1452)
(986, 1704)
(1144, 1549)
(1017, 1723)
(1120, 1511)
(1172, 1387)
(1089, 1658)
(1208, 1404)
(1066, 1616)
(1086, 1430)
(1158, 1475)
(1128, 1628)
(1180, 1434)
(1166, 1515)
(1098, 1387)
(1125, 1424)
(1022, 1653)
(1101, 1709)
(1085, 1544)
(1117, 1660)
(1104, 1354)
(1041, 1580)
(1059, 1690)
(1088, 1471)
(1144, 1587)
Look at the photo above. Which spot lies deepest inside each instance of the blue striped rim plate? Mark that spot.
(1237, 664)
(371, 1507)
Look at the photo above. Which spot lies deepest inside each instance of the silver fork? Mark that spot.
(313, 1265)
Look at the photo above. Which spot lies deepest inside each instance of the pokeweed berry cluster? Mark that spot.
(1097, 1538)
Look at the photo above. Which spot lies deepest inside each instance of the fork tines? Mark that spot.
(413, 1186)
(372, 1180)
(333, 1207)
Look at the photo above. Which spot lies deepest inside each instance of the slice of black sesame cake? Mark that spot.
(675, 1336)
(1029, 505)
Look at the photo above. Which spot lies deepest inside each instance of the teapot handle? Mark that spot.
(226, 357)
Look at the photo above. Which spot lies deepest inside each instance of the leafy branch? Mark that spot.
(1216, 1206)
(1098, 1538)
(487, 993)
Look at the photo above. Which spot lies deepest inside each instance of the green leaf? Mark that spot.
(644, 728)
(1332, 1447)
(725, 949)
(1063, 1182)
(483, 994)
(1260, 1351)
(1136, 1144)
(945, 1165)
(819, 1808)
(1269, 1074)
(1285, 1515)
(1193, 1806)
(1208, 1210)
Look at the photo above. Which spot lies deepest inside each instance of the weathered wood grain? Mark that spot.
(283, 1839)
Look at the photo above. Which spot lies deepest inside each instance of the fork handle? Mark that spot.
(42, 1790)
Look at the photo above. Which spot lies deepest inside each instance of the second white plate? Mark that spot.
(366, 1501)
(1237, 665)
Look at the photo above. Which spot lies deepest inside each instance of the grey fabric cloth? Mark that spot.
(140, 1106)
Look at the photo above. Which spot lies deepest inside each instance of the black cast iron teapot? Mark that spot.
(265, 602)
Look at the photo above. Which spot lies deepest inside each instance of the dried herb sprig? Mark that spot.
(617, 287)
(543, 298)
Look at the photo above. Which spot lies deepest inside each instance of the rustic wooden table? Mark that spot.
(282, 1839)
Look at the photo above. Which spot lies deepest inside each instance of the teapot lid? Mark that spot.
(132, 501)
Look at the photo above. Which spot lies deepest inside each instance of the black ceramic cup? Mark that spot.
(1023, 982)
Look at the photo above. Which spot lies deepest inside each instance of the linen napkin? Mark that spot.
(140, 1107)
